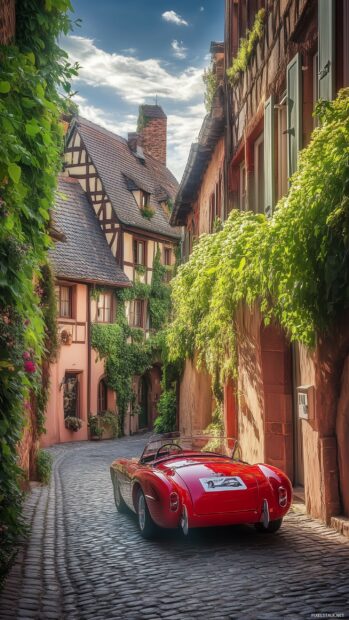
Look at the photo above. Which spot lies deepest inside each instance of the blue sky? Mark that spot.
(132, 50)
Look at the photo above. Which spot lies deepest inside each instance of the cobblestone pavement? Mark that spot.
(84, 560)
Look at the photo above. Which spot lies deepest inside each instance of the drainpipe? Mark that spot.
(88, 351)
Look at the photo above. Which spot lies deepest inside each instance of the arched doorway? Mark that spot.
(278, 406)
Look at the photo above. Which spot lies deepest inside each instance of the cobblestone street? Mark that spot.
(84, 560)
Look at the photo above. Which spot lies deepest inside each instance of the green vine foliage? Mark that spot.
(211, 85)
(126, 351)
(246, 48)
(295, 265)
(32, 70)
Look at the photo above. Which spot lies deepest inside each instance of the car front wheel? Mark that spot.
(147, 527)
(272, 527)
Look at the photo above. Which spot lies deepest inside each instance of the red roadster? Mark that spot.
(199, 482)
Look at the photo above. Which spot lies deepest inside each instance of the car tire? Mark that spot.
(273, 527)
(147, 527)
(119, 502)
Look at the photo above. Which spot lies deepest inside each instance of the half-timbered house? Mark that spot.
(120, 194)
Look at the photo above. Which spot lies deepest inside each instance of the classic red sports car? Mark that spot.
(199, 482)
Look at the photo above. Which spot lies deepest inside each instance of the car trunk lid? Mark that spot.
(220, 487)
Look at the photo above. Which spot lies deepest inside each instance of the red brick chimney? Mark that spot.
(152, 127)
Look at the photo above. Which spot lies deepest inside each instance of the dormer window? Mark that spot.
(145, 199)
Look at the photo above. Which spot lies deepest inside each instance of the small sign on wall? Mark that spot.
(305, 401)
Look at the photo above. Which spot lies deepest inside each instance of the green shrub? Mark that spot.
(167, 409)
(43, 466)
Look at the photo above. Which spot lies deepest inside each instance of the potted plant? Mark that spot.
(72, 423)
(95, 427)
(110, 424)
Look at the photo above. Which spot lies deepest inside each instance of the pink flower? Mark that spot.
(29, 366)
(26, 355)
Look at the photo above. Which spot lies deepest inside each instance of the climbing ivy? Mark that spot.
(126, 350)
(246, 48)
(295, 266)
(211, 85)
(32, 70)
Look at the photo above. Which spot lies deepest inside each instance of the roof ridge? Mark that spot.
(101, 129)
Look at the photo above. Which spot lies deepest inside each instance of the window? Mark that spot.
(294, 113)
(138, 252)
(102, 402)
(259, 174)
(137, 313)
(71, 395)
(104, 308)
(145, 198)
(282, 181)
(242, 188)
(168, 263)
(167, 256)
(64, 301)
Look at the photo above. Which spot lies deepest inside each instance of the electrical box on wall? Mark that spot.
(306, 402)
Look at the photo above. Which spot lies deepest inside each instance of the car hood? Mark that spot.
(219, 486)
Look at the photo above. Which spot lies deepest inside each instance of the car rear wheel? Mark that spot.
(272, 527)
(147, 527)
(119, 502)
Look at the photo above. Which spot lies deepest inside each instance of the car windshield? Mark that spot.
(171, 444)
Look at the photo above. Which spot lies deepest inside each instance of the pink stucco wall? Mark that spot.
(74, 358)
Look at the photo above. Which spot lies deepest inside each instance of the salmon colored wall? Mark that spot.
(72, 357)
(208, 184)
(97, 373)
(196, 401)
(250, 386)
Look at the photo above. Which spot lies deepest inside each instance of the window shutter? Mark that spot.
(326, 10)
(294, 113)
(269, 170)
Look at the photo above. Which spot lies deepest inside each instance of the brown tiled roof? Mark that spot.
(84, 255)
(119, 169)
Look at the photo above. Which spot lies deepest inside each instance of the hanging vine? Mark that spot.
(32, 70)
(295, 265)
(246, 48)
(126, 350)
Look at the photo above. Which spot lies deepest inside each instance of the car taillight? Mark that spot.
(174, 502)
(282, 497)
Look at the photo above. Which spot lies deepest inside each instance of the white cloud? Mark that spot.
(182, 130)
(129, 50)
(132, 79)
(136, 81)
(172, 16)
(179, 51)
(102, 118)
(202, 9)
